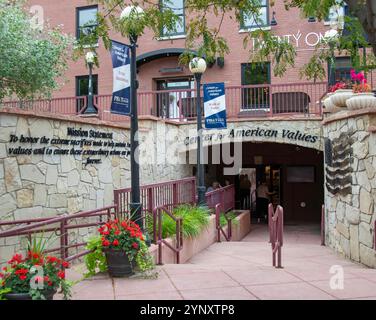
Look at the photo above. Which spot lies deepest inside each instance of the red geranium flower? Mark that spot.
(65, 264)
(135, 245)
(106, 243)
(116, 242)
(23, 278)
(61, 274)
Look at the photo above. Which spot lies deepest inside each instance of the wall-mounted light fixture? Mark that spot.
(273, 22)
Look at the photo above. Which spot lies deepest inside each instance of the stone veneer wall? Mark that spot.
(33, 186)
(350, 218)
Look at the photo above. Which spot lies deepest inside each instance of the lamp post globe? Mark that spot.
(198, 66)
(90, 109)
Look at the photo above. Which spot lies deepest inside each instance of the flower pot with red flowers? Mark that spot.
(341, 92)
(363, 95)
(34, 277)
(121, 243)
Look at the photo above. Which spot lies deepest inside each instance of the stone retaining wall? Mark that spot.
(49, 182)
(350, 212)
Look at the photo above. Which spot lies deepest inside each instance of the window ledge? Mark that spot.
(180, 36)
(244, 30)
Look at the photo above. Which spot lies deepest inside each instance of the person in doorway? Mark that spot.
(245, 191)
(263, 199)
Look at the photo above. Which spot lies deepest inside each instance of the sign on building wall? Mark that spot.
(215, 105)
(121, 79)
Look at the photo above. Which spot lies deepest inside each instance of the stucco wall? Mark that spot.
(350, 213)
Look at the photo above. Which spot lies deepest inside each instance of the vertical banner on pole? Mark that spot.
(121, 79)
(215, 106)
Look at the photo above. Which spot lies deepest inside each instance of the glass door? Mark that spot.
(177, 100)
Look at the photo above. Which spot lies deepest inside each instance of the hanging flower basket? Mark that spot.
(361, 100)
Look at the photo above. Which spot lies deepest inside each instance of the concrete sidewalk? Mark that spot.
(242, 270)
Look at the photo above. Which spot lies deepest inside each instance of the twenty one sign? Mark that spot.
(298, 39)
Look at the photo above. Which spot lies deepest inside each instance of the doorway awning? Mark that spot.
(158, 54)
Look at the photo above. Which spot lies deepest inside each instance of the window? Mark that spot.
(261, 20)
(177, 7)
(87, 21)
(82, 89)
(336, 13)
(340, 71)
(255, 74)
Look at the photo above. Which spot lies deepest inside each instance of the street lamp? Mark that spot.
(90, 109)
(134, 13)
(198, 67)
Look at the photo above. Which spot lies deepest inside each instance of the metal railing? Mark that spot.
(225, 196)
(276, 234)
(222, 200)
(158, 212)
(220, 230)
(168, 194)
(323, 225)
(61, 226)
(267, 100)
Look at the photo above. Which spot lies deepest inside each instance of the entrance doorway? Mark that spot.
(173, 92)
(294, 176)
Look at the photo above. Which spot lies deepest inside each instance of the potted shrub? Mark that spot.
(34, 277)
(341, 92)
(363, 95)
(123, 243)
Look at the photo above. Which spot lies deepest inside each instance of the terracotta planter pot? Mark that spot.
(49, 295)
(361, 101)
(329, 105)
(340, 97)
(118, 263)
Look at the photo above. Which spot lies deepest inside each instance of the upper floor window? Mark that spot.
(336, 13)
(340, 70)
(251, 20)
(87, 20)
(177, 7)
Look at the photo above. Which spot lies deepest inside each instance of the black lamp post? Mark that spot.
(198, 67)
(90, 109)
(135, 205)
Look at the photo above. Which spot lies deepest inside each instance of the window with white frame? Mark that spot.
(252, 20)
(177, 7)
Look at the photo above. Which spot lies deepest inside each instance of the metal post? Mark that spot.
(135, 205)
(200, 153)
(90, 102)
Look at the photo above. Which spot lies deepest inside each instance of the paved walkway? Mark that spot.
(242, 270)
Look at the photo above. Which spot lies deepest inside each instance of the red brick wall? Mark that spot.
(289, 22)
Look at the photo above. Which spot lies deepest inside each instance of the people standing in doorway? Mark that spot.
(263, 199)
(245, 191)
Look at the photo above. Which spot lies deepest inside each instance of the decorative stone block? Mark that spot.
(25, 198)
(12, 175)
(354, 243)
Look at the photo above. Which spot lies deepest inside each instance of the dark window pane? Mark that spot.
(86, 20)
(177, 6)
(82, 88)
(340, 71)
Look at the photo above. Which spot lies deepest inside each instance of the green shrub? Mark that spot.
(195, 219)
(231, 215)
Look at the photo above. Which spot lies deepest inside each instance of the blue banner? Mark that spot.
(121, 79)
(215, 106)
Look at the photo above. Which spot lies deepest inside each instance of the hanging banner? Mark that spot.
(215, 106)
(121, 79)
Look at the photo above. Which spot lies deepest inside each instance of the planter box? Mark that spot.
(207, 237)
